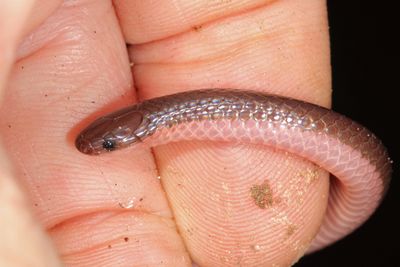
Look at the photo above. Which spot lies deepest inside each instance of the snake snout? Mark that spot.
(84, 145)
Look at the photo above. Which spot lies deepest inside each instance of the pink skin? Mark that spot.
(74, 67)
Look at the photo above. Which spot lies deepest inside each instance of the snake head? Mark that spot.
(117, 130)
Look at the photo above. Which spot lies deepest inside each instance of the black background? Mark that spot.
(364, 90)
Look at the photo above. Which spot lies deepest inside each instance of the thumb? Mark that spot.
(13, 15)
(16, 19)
(17, 222)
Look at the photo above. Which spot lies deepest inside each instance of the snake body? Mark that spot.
(350, 152)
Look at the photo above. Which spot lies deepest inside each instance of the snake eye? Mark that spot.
(109, 145)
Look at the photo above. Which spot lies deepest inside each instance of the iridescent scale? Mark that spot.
(217, 104)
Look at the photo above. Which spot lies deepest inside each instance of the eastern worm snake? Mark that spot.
(351, 153)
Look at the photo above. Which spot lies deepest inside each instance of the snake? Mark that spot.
(356, 159)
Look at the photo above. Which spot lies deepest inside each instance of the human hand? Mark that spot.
(112, 210)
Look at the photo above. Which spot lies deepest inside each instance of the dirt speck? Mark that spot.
(262, 195)
(197, 27)
(290, 229)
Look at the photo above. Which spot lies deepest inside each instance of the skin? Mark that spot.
(66, 64)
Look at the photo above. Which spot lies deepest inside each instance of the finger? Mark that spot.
(20, 233)
(17, 18)
(17, 222)
(73, 68)
(13, 16)
(149, 21)
(40, 11)
(279, 47)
